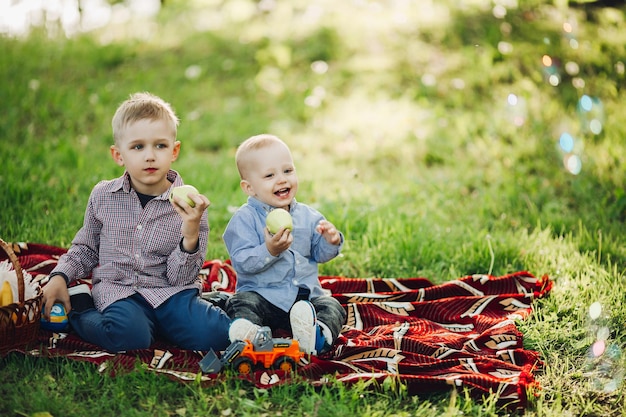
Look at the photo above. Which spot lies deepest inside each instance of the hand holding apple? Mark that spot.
(191, 213)
(278, 219)
(183, 192)
(279, 242)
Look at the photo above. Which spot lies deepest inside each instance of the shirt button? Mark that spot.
(139, 227)
(267, 260)
(137, 256)
(295, 282)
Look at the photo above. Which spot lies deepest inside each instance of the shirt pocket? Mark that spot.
(162, 239)
(302, 241)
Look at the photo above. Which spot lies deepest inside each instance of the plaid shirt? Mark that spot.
(128, 249)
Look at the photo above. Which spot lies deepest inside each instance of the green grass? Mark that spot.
(411, 151)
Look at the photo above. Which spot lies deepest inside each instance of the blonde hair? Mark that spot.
(251, 144)
(141, 106)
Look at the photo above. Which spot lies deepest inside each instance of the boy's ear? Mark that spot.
(247, 188)
(117, 156)
(176, 150)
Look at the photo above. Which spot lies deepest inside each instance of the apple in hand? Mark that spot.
(182, 192)
(278, 219)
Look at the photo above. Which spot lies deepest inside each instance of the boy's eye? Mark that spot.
(138, 147)
(161, 146)
(269, 175)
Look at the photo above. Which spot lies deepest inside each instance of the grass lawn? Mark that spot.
(443, 140)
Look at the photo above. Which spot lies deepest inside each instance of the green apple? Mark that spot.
(278, 219)
(182, 192)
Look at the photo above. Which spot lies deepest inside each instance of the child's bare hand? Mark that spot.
(279, 242)
(191, 218)
(55, 291)
(329, 232)
(184, 209)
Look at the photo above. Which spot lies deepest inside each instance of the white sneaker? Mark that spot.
(242, 329)
(304, 326)
(80, 298)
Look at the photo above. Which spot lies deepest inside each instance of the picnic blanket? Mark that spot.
(406, 331)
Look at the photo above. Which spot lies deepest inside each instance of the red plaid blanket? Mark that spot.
(430, 338)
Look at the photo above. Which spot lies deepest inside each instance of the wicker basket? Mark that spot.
(19, 322)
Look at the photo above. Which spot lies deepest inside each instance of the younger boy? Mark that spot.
(277, 275)
(142, 251)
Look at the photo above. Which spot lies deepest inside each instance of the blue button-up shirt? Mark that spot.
(130, 249)
(277, 278)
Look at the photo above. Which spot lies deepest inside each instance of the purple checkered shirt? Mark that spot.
(128, 249)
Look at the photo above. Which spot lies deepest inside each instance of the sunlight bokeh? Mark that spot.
(603, 366)
(69, 17)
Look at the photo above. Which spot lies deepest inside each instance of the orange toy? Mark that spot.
(264, 351)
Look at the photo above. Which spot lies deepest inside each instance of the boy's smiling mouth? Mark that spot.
(283, 192)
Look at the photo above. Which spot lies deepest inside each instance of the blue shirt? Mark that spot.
(277, 278)
(131, 249)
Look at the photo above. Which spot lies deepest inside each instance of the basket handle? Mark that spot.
(18, 269)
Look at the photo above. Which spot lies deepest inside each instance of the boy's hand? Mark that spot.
(191, 218)
(279, 242)
(329, 232)
(53, 292)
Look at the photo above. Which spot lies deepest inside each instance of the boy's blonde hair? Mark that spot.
(252, 144)
(140, 106)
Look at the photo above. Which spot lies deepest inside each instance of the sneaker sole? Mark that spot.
(303, 325)
(79, 289)
(242, 329)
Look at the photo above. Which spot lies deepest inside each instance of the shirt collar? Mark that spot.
(266, 208)
(123, 183)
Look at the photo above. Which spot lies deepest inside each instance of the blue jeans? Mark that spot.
(185, 320)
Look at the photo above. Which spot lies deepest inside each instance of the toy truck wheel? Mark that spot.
(284, 363)
(243, 365)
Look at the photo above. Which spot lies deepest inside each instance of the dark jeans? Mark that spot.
(252, 306)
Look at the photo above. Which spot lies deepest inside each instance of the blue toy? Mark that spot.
(58, 319)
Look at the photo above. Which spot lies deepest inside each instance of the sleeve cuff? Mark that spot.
(61, 274)
(186, 251)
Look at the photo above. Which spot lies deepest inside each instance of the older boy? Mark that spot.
(277, 275)
(142, 251)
